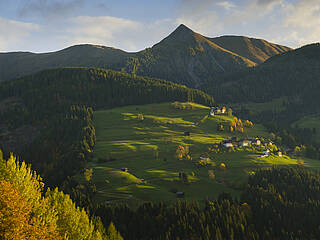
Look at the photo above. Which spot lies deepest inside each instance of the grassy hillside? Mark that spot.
(256, 50)
(147, 148)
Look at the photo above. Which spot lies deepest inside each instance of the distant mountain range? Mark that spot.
(185, 57)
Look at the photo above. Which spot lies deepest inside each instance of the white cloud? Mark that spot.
(100, 30)
(303, 19)
(216, 17)
(282, 21)
(109, 31)
(200, 16)
(305, 14)
(269, 4)
(206, 24)
(287, 22)
(115, 32)
(15, 33)
(227, 5)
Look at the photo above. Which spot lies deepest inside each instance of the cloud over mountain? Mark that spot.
(43, 25)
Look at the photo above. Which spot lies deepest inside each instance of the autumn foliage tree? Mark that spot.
(16, 219)
(27, 213)
(182, 152)
(248, 124)
(112, 233)
(239, 126)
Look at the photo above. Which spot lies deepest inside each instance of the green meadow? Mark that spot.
(144, 139)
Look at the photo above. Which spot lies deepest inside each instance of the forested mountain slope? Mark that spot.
(18, 64)
(295, 74)
(188, 57)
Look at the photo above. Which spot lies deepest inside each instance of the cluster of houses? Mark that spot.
(241, 143)
(253, 142)
(266, 153)
(217, 111)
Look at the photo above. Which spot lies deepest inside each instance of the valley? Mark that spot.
(195, 137)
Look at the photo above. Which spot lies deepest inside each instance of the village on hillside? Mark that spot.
(251, 142)
(245, 142)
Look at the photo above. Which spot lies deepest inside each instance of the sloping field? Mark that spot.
(145, 139)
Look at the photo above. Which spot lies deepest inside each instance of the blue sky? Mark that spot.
(132, 25)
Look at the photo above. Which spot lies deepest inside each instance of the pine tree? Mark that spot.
(112, 233)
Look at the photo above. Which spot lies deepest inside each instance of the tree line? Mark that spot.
(277, 203)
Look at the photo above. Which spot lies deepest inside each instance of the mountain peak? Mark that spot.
(181, 33)
(183, 28)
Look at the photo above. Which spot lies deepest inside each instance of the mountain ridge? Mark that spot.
(184, 57)
(254, 49)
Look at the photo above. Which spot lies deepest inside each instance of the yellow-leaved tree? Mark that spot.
(73, 223)
(52, 214)
(16, 219)
(29, 186)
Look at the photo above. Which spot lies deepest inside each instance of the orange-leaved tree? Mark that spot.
(16, 219)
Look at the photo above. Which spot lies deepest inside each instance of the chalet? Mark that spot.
(256, 142)
(212, 111)
(227, 144)
(244, 143)
(233, 142)
(217, 111)
(124, 169)
(180, 194)
(265, 151)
